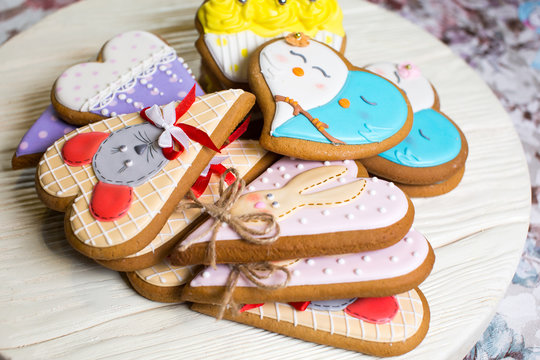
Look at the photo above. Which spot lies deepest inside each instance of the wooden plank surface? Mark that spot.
(55, 303)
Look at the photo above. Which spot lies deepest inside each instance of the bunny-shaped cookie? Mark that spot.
(280, 203)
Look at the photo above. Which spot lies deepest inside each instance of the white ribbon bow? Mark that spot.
(165, 118)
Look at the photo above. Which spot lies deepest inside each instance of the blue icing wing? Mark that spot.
(377, 111)
(433, 141)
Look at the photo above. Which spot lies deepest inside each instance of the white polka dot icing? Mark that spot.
(396, 260)
(365, 208)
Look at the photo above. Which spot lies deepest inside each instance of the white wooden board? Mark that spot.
(54, 303)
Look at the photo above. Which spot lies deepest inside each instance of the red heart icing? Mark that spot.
(110, 202)
(80, 149)
(247, 307)
(374, 310)
(301, 305)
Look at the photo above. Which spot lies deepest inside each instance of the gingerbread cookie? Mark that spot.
(230, 30)
(134, 70)
(435, 149)
(383, 272)
(439, 188)
(322, 208)
(387, 326)
(246, 156)
(317, 106)
(119, 179)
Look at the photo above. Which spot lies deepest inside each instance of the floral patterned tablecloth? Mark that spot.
(501, 40)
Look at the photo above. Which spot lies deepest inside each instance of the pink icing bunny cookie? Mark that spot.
(322, 208)
(382, 272)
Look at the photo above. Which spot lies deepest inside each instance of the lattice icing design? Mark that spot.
(405, 323)
(231, 51)
(167, 275)
(60, 180)
(242, 155)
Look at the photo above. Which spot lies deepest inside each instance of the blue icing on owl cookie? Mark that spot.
(375, 111)
(433, 141)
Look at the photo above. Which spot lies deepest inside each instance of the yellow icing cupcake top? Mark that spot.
(270, 18)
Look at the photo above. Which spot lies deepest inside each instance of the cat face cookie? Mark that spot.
(317, 106)
(382, 272)
(435, 150)
(134, 70)
(386, 326)
(322, 208)
(118, 180)
(230, 30)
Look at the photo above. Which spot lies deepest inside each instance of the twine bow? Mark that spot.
(254, 272)
(220, 211)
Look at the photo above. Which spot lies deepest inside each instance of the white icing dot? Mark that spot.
(162, 280)
(366, 258)
(408, 240)
(149, 86)
(113, 114)
(326, 212)
(392, 197)
(375, 179)
(357, 271)
(277, 185)
(361, 207)
(180, 80)
(414, 253)
(326, 163)
(349, 216)
(296, 272)
(310, 262)
(286, 176)
(303, 220)
(128, 163)
(205, 274)
(340, 261)
(391, 184)
(129, 100)
(59, 192)
(105, 112)
(382, 210)
(394, 258)
(163, 68)
(281, 168)
(144, 81)
(168, 72)
(342, 179)
(327, 271)
(269, 170)
(300, 166)
(122, 96)
(372, 192)
(346, 161)
(264, 180)
(123, 148)
(251, 188)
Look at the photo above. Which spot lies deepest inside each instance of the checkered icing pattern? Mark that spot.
(242, 155)
(165, 274)
(405, 324)
(61, 180)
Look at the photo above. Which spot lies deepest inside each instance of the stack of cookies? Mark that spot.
(289, 232)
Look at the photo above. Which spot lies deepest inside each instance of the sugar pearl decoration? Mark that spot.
(129, 100)
(342, 180)
(357, 271)
(105, 112)
(149, 86)
(372, 192)
(326, 163)
(392, 197)
(414, 253)
(349, 216)
(328, 271)
(303, 221)
(391, 184)
(122, 96)
(251, 188)
(162, 67)
(144, 81)
(277, 184)
(168, 72)
(269, 170)
(408, 240)
(300, 166)
(310, 262)
(205, 274)
(286, 176)
(394, 258)
(361, 207)
(281, 168)
(382, 210)
(326, 212)
(264, 180)
(346, 161)
(366, 258)
(296, 272)
(340, 261)
(375, 179)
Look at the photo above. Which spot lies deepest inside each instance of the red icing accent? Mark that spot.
(250, 306)
(238, 132)
(202, 181)
(374, 310)
(80, 149)
(185, 104)
(301, 305)
(110, 202)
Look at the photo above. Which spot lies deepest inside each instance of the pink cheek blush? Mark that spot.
(320, 86)
(253, 197)
(282, 58)
(260, 205)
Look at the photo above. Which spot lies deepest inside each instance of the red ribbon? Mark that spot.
(192, 132)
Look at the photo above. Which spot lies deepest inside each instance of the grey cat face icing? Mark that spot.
(331, 305)
(130, 156)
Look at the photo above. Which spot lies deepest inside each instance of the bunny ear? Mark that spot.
(315, 177)
(337, 195)
(109, 201)
(80, 149)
